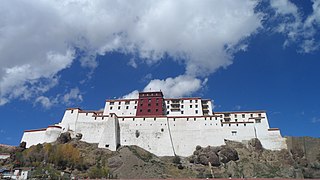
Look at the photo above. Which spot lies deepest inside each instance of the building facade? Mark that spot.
(162, 126)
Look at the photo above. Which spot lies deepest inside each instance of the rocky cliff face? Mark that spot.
(242, 160)
(251, 160)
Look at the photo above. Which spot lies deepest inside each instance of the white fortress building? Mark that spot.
(165, 127)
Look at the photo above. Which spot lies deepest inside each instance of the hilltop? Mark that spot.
(80, 159)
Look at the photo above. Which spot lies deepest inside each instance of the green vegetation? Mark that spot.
(62, 156)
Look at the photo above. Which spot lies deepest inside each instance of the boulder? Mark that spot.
(64, 138)
(202, 158)
(213, 159)
(228, 154)
(114, 162)
(255, 144)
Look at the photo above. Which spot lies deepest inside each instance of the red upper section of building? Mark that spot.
(150, 103)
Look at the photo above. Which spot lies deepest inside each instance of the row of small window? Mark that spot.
(196, 106)
(149, 110)
(126, 102)
(174, 119)
(150, 94)
(149, 100)
(236, 120)
(157, 104)
(182, 112)
(119, 107)
(182, 101)
(243, 115)
(236, 125)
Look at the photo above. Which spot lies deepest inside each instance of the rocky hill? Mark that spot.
(75, 158)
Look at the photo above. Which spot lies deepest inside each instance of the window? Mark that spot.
(190, 101)
(149, 110)
(157, 110)
(135, 102)
(141, 104)
(259, 115)
(167, 107)
(245, 124)
(149, 104)
(167, 102)
(111, 103)
(236, 120)
(167, 112)
(196, 100)
(157, 100)
(190, 106)
(234, 133)
(127, 102)
(157, 104)
(196, 105)
(119, 107)
(119, 102)
(111, 108)
(140, 110)
(196, 111)
(251, 115)
(235, 115)
(127, 107)
(243, 115)
(135, 107)
(182, 112)
(258, 120)
(181, 106)
(149, 100)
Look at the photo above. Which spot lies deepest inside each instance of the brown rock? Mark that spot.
(255, 144)
(228, 154)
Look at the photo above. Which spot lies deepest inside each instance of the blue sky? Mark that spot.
(245, 55)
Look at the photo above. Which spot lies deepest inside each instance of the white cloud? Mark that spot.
(73, 96)
(295, 28)
(284, 7)
(39, 38)
(172, 87)
(44, 101)
(133, 95)
(132, 63)
(175, 87)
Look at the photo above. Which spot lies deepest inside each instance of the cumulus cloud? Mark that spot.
(39, 38)
(182, 85)
(175, 87)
